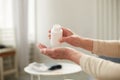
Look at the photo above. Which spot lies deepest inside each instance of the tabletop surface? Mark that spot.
(67, 68)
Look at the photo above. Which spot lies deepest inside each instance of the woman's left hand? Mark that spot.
(61, 53)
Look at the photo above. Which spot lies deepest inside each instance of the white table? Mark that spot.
(67, 68)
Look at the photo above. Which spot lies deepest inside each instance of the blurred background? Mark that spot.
(25, 23)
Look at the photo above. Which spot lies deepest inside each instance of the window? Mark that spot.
(6, 23)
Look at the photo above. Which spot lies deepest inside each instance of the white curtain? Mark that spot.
(17, 28)
(21, 28)
(108, 20)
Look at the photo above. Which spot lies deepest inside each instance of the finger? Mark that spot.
(67, 32)
(66, 29)
(49, 35)
(64, 39)
(43, 50)
(49, 31)
(47, 51)
(41, 46)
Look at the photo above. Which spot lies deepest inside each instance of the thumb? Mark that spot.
(64, 39)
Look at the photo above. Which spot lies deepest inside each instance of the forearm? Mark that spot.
(86, 43)
(74, 55)
(99, 68)
(109, 48)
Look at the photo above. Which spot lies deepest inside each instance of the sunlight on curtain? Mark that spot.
(31, 21)
(31, 29)
(7, 36)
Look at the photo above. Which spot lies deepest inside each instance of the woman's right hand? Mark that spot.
(69, 37)
(66, 32)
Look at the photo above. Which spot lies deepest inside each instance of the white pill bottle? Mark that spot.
(56, 35)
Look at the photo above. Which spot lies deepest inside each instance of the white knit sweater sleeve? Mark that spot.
(109, 48)
(99, 68)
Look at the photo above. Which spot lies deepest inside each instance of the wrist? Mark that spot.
(75, 56)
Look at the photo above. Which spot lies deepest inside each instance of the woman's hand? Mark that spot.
(75, 40)
(66, 32)
(69, 37)
(61, 53)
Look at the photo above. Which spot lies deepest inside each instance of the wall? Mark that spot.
(78, 15)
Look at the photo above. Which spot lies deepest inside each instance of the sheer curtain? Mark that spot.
(20, 12)
(17, 28)
(108, 19)
(32, 29)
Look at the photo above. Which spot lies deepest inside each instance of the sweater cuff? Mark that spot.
(95, 46)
